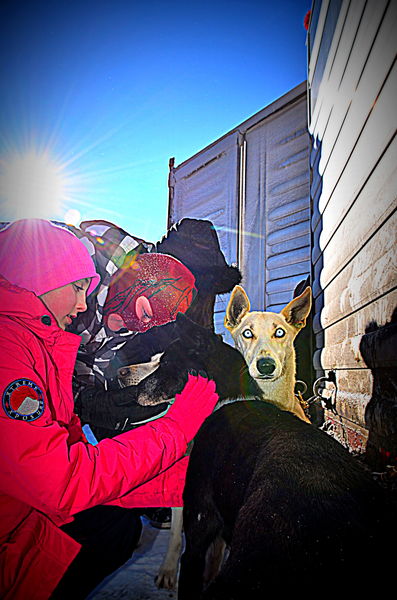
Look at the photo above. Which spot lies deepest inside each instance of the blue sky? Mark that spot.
(106, 92)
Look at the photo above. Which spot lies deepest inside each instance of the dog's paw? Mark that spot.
(166, 580)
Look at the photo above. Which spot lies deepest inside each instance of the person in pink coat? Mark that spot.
(55, 487)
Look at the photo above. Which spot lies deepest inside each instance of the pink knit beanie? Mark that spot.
(40, 256)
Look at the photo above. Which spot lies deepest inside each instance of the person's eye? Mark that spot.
(247, 333)
(78, 287)
(279, 333)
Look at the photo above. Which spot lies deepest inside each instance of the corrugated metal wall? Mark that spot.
(353, 119)
(278, 205)
(206, 187)
(253, 184)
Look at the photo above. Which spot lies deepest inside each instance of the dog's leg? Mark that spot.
(201, 529)
(167, 575)
(214, 560)
(299, 412)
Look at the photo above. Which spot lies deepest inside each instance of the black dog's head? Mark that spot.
(195, 243)
(197, 349)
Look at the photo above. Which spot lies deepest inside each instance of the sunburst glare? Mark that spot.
(32, 184)
(35, 183)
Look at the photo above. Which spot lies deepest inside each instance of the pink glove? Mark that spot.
(193, 405)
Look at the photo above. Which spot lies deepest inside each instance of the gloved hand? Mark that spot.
(193, 405)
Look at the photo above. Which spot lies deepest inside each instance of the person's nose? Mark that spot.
(81, 304)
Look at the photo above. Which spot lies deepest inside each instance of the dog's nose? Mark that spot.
(266, 366)
(124, 371)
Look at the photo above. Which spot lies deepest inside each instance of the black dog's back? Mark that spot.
(294, 506)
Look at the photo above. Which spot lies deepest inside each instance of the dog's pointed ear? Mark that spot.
(296, 312)
(238, 306)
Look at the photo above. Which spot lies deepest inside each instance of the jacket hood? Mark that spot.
(20, 304)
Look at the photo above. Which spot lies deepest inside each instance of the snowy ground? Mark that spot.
(135, 580)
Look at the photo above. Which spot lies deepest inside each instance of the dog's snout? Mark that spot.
(124, 371)
(266, 366)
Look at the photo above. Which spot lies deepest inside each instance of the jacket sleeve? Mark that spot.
(164, 490)
(40, 468)
(43, 465)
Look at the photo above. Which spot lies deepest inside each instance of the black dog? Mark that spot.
(296, 510)
(294, 507)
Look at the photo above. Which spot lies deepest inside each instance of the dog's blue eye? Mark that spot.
(279, 333)
(247, 333)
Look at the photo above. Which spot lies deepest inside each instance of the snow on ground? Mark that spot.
(135, 580)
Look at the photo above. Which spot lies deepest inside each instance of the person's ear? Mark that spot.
(115, 322)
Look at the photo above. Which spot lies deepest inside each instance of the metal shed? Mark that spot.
(253, 184)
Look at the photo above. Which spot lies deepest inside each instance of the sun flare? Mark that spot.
(39, 179)
(31, 185)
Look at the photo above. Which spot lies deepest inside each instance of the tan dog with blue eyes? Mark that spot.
(266, 340)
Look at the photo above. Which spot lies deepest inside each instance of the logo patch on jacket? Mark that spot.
(23, 400)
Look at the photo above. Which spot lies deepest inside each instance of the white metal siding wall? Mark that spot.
(278, 207)
(206, 187)
(253, 184)
(353, 122)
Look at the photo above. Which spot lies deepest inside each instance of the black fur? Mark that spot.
(298, 512)
(195, 243)
(197, 348)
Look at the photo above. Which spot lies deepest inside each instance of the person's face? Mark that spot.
(67, 301)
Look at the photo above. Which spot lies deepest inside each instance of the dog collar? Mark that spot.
(148, 420)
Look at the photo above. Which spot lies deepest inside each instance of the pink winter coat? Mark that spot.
(48, 471)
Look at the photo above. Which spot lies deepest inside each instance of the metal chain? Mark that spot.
(319, 387)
